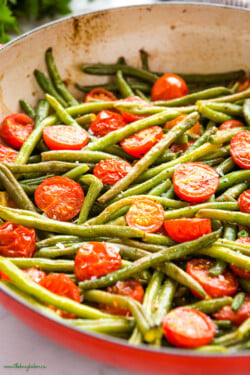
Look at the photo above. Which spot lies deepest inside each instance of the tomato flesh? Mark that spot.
(131, 117)
(111, 171)
(100, 94)
(220, 286)
(106, 122)
(195, 182)
(186, 229)
(237, 270)
(35, 274)
(244, 202)
(188, 328)
(168, 87)
(236, 317)
(196, 129)
(15, 129)
(65, 137)
(145, 214)
(230, 124)
(60, 198)
(7, 154)
(140, 143)
(96, 259)
(240, 149)
(17, 240)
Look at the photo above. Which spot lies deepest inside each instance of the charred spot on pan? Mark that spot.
(75, 27)
(184, 10)
(172, 27)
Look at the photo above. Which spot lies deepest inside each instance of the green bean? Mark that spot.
(170, 193)
(238, 301)
(232, 98)
(246, 111)
(223, 323)
(212, 305)
(112, 86)
(76, 172)
(123, 86)
(218, 268)
(118, 151)
(167, 156)
(238, 335)
(142, 95)
(221, 152)
(228, 108)
(144, 59)
(228, 216)
(46, 167)
(236, 246)
(233, 178)
(47, 87)
(60, 265)
(232, 193)
(211, 349)
(119, 221)
(77, 156)
(213, 77)
(144, 109)
(56, 240)
(42, 111)
(57, 80)
(238, 347)
(160, 188)
(224, 136)
(85, 120)
(151, 260)
(34, 159)
(243, 233)
(226, 166)
(201, 140)
(158, 239)
(37, 180)
(145, 246)
(26, 107)
(215, 116)
(229, 231)
(95, 187)
(245, 285)
(63, 115)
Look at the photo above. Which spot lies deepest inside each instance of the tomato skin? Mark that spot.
(35, 274)
(17, 240)
(169, 86)
(220, 286)
(244, 85)
(185, 327)
(236, 317)
(196, 129)
(129, 288)
(186, 229)
(240, 149)
(145, 214)
(15, 129)
(244, 202)
(111, 171)
(237, 270)
(60, 198)
(96, 259)
(177, 147)
(140, 143)
(230, 124)
(131, 117)
(106, 122)
(65, 137)
(100, 94)
(63, 286)
(7, 154)
(195, 182)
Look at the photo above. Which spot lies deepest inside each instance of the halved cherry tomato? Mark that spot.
(237, 270)
(140, 143)
(63, 286)
(64, 137)
(106, 122)
(185, 327)
(244, 202)
(15, 129)
(60, 198)
(100, 94)
(240, 149)
(145, 214)
(7, 154)
(220, 286)
(111, 171)
(169, 86)
(230, 124)
(129, 288)
(195, 182)
(130, 117)
(96, 259)
(176, 147)
(244, 85)
(17, 240)
(236, 317)
(35, 274)
(186, 229)
(196, 129)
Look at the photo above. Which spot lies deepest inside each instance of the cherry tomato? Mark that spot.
(169, 86)
(60, 198)
(230, 124)
(245, 84)
(236, 317)
(220, 286)
(3, 276)
(185, 327)
(15, 129)
(17, 240)
(65, 137)
(140, 143)
(100, 94)
(237, 270)
(196, 129)
(195, 182)
(7, 154)
(244, 202)
(129, 288)
(176, 147)
(240, 149)
(35, 274)
(145, 214)
(186, 229)
(63, 286)
(106, 122)
(96, 259)
(111, 171)
(130, 117)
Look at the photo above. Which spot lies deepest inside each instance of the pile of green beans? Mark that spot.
(154, 259)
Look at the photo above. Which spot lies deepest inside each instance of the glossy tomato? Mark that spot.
(96, 259)
(185, 327)
(106, 122)
(60, 198)
(244, 85)
(35, 274)
(195, 182)
(237, 270)
(17, 240)
(65, 137)
(244, 202)
(240, 149)
(111, 171)
(230, 124)
(100, 94)
(169, 86)
(187, 229)
(7, 154)
(130, 117)
(219, 286)
(145, 214)
(236, 317)
(196, 129)
(15, 129)
(140, 143)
